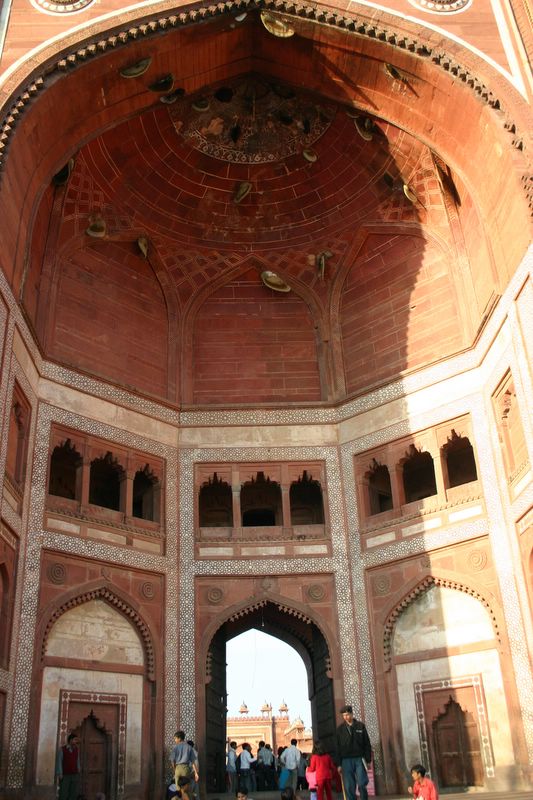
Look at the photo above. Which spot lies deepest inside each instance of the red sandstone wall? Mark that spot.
(110, 316)
(251, 344)
(398, 310)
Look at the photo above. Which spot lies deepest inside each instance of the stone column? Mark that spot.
(85, 469)
(236, 499)
(439, 473)
(126, 493)
(396, 485)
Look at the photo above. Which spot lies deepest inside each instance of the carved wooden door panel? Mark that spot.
(95, 748)
(97, 726)
(455, 741)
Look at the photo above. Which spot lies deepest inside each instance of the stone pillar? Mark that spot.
(157, 499)
(396, 485)
(85, 480)
(236, 499)
(437, 466)
(285, 499)
(286, 508)
(126, 493)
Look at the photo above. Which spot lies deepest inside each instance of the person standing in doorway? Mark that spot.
(231, 768)
(68, 768)
(183, 758)
(290, 758)
(355, 754)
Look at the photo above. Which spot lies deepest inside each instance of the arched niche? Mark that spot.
(120, 334)
(95, 631)
(253, 344)
(441, 618)
(64, 475)
(448, 675)
(96, 662)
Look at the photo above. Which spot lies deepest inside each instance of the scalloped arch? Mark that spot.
(252, 604)
(415, 593)
(104, 593)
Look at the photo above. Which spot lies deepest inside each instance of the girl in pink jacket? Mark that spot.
(322, 764)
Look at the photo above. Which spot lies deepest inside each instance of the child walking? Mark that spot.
(322, 764)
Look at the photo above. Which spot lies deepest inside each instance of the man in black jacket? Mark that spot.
(355, 754)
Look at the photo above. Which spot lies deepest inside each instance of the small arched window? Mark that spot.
(215, 504)
(146, 495)
(307, 505)
(261, 502)
(379, 488)
(65, 462)
(458, 455)
(104, 485)
(17, 441)
(418, 475)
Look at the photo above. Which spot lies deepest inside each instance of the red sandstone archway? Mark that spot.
(355, 52)
(292, 626)
(109, 707)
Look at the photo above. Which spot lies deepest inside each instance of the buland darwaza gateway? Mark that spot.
(266, 330)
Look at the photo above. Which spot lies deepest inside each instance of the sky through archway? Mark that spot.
(262, 668)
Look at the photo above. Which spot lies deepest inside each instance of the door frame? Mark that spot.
(474, 682)
(66, 697)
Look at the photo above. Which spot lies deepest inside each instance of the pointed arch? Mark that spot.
(115, 599)
(290, 608)
(418, 589)
(314, 326)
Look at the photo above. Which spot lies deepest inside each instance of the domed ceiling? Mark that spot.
(250, 241)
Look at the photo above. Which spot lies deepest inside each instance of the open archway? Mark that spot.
(297, 630)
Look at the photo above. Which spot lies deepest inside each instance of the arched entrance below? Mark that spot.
(297, 630)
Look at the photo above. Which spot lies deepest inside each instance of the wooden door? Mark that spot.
(455, 742)
(322, 701)
(95, 749)
(215, 702)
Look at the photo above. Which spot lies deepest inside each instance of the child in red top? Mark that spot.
(422, 786)
(322, 764)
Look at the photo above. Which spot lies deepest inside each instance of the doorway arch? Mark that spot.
(291, 626)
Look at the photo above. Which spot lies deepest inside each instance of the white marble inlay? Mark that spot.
(262, 551)
(383, 538)
(310, 549)
(466, 513)
(420, 527)
(215, 551)
(62, 525)
(107, 536)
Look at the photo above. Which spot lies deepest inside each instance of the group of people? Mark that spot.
(246, 773)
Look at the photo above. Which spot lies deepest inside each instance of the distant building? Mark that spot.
(274, 730)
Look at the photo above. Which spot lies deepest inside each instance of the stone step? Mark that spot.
(468, 794)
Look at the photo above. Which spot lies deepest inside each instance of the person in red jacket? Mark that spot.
(422, 786)
(322, 764)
